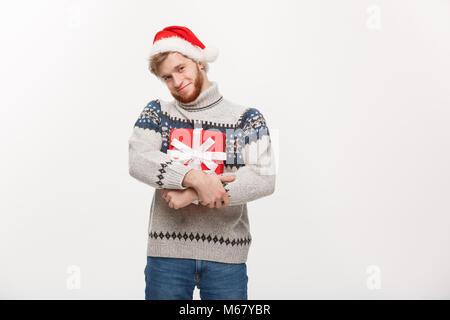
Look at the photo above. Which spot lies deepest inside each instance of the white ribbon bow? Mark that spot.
(198, 153)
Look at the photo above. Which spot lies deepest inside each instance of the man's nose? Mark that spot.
(177, 81)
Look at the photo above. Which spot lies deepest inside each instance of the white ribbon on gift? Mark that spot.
(197, 154)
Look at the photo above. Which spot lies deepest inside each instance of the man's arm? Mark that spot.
(209, 187)
(257, 178)
(180, 198)
(146, 162)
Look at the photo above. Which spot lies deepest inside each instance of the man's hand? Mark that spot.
(208, 187)
(178, 199)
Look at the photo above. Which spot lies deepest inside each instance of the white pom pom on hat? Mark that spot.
(183, 40)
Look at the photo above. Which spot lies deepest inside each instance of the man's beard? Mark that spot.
(197, 88)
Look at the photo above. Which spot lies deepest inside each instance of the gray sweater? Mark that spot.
(196, 231)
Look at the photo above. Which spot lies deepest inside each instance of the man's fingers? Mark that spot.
(165, 195)
(173, 205)
(226, 200)
(226, 178)
(218, 204)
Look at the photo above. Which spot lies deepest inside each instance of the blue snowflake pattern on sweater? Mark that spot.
(251, 126)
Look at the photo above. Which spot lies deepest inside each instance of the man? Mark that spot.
(206, 157)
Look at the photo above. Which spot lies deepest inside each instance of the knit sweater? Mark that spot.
(197, 231)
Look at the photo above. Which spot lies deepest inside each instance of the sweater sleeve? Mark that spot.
(255, 177)
(147, 163)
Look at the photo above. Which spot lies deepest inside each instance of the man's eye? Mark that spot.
(181, 68)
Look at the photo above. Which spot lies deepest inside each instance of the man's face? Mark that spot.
(182, 76)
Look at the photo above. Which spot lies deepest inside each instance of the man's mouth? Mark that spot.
(183, 87)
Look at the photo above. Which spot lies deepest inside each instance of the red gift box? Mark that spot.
(201, 149)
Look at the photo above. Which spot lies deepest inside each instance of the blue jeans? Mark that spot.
(176, 278)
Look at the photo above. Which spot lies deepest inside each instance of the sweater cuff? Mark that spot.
(175, 175)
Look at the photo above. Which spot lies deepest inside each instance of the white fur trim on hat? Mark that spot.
(209, 54)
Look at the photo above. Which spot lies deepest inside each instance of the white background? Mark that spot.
(357, 90)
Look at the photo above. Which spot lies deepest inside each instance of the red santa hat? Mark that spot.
(183, 40)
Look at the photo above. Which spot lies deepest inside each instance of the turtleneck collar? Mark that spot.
(205, 100)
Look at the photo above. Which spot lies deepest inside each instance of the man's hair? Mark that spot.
(155, 61)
